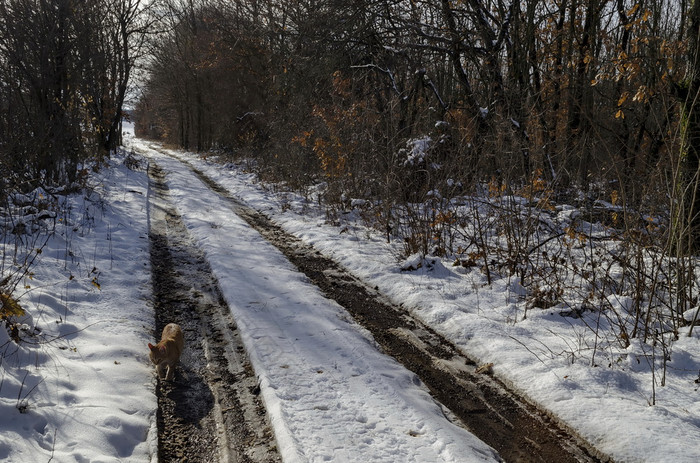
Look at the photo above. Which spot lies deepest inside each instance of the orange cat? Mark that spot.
(167, 352)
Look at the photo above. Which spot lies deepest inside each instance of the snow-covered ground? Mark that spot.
(330, 394)
(82, 389)
(79, 388)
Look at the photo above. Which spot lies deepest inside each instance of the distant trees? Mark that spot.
(64, 71)
(582, 93)
(208, 77)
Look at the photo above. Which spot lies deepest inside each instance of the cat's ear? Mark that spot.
(151, 346)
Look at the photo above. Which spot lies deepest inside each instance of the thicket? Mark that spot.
(64, 72)
(466, 126)
(396, 100)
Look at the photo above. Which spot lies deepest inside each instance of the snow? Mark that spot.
(82, 388)
(417, 149)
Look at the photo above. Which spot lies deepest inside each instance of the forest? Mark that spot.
(466, 129)
(392, 101)
(460, 127)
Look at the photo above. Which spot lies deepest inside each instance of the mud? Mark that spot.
(211, 412)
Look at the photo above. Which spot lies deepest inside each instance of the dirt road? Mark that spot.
(232, 425)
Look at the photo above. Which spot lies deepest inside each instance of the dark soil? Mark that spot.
(211, 411)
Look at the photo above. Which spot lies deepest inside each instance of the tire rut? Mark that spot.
(211, 412)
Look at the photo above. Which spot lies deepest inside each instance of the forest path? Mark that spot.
(470, 396)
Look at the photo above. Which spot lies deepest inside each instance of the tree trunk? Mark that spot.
(688, 93)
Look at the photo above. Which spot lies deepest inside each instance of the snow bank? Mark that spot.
(78, 387)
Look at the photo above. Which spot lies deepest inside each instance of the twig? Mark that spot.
(53, 445)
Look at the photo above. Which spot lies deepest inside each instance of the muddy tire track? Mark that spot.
(472, 397)
(211, 412)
